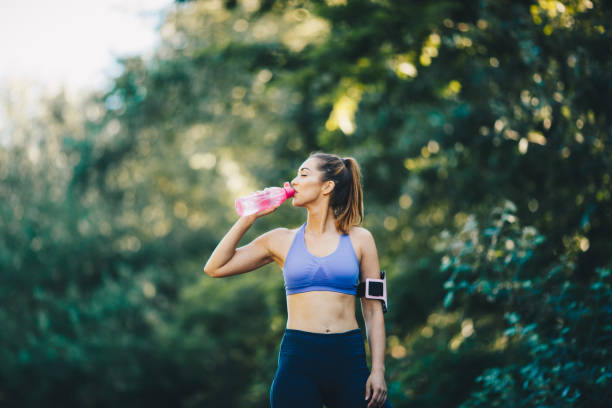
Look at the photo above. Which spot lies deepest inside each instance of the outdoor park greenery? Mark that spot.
(483, 129)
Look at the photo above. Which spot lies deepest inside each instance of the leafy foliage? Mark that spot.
(483, 132)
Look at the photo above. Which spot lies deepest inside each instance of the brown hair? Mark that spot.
(347, 196)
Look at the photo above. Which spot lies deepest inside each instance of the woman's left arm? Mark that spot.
(376, 387)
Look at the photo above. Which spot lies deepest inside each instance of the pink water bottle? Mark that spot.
(262, 200)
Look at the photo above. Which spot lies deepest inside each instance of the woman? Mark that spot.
(322, 357)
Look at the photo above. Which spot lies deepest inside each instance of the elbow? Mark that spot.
(211, 272)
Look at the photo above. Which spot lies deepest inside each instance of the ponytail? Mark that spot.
(347, 197)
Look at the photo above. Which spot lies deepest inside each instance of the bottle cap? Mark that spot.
(289, 191)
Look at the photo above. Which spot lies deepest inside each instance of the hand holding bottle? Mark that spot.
(264, 202)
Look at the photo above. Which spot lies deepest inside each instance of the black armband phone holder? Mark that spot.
(374, 289)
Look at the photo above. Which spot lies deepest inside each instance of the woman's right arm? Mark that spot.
(227, 260)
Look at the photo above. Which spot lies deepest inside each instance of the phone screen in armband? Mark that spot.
(375, 288)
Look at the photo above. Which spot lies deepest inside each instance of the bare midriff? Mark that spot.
(321, 312)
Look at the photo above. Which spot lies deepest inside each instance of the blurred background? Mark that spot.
(127, 129)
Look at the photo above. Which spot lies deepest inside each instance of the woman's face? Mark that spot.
(307, 184)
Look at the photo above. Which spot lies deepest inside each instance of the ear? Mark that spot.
(328, 187)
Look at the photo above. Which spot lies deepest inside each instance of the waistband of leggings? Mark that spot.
(323, 335)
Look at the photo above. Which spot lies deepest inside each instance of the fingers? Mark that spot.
(267, 211)
(374, 397)
(368, 393)
(382, 397)
(379, 396)
(374, 402)
(272, 209)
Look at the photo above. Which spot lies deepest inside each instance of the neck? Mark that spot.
(321, 220)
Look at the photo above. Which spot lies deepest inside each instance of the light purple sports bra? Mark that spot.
(305, 272)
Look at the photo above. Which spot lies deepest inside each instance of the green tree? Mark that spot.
(483, 131)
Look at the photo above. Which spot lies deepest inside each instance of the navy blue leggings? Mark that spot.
(318, 368)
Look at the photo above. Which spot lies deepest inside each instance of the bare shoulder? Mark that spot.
(280, 234)
(271, 239)
(361, 234)
(362, 240)
(278, 241)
